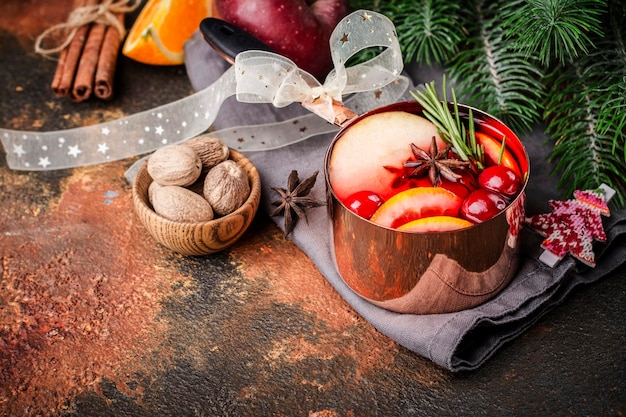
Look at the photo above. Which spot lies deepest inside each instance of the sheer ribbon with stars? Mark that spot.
(256, 77)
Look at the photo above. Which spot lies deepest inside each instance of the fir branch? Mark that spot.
(612, 113)
(429, 31)
(583, 155)
(373, 5)
(493, 76)
(555, 29)
(506, 48)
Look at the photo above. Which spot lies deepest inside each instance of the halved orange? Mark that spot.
(161, 29)
(435, 224)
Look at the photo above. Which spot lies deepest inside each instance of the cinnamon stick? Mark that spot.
(68, 61)
(83, 83)
(107, 61)
(57, 88)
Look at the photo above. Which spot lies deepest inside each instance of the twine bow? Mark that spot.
(103, 13)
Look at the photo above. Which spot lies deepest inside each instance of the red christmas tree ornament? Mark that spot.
(573, 225)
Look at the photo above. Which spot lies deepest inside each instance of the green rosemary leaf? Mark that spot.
(449, 123)
(502, 148)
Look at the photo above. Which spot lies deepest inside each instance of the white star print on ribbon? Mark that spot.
(263, 77)
(256, 77)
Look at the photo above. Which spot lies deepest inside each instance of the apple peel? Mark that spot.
(297, 29)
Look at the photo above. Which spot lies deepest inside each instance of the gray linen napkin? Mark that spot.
(456, 341)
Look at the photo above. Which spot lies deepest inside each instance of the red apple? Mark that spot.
(297, 29)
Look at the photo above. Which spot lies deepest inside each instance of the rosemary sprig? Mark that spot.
(449, 124)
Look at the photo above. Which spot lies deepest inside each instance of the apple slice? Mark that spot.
(359, 156)
(492, 149)
(417, 203)
(435, 224)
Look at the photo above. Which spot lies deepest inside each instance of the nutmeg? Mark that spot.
(175, 165)
(180, 204)
(210, 149)
(152, 188)
(226, 187)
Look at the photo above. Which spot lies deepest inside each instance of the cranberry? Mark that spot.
(481, 205)
(364, 203)
(500, 179)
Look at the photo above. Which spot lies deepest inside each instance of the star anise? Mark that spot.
(434, 162)
(295, 199)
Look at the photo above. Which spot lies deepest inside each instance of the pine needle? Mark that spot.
(562, 62)
(612, 114)
(555, 29)
(493, 76)
(583, 155)
(428, 30)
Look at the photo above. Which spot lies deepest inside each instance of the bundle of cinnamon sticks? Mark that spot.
(87, 64)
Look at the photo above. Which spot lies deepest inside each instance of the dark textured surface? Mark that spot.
(98, 320)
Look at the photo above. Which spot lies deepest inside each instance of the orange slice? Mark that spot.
(492, 149)
(161, 29)
(416, 203)
(435, 224)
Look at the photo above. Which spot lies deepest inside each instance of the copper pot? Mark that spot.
(434, 272)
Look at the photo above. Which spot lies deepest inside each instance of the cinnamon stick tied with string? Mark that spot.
(105, 72)
(89, 54)
(63, 79)
(83, 82)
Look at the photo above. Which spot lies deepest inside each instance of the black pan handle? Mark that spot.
(228, 40)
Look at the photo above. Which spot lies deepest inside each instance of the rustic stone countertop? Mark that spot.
(97, 319)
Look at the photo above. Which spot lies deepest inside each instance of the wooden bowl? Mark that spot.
(198, 238)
